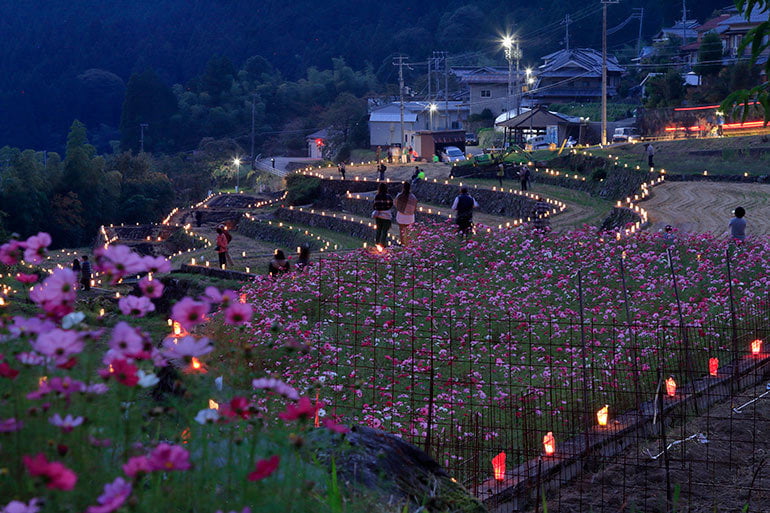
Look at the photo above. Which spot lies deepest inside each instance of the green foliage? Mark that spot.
(709, 55)
(615, 111)
(302, 189)
(148, 101)
(665, 90)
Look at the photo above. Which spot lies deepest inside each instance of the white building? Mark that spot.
(385, 122)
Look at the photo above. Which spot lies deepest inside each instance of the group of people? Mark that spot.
(406, 206)
(523, 174)
(82, 269)
(280, 265)
(223, 246)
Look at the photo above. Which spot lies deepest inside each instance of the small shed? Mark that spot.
(428, 143)
(316, 142)
(555, 127)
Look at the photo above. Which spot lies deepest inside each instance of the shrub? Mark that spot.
(301, 189)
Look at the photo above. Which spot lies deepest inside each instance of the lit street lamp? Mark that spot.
(433, 108)
(237, 163)
(507, 43)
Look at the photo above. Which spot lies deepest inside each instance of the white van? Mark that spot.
(538, 142)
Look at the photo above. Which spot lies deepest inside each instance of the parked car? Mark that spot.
(452, 154)
(471, 139)
(538, 142)
(625, 134)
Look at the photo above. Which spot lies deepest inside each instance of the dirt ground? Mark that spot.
(725, 475)
(707, 206)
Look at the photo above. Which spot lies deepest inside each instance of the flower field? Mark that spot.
(470, 347)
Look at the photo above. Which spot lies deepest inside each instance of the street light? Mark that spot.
(237, 163)
(433, 108)
(507, 43)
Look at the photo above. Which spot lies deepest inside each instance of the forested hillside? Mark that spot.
(63, 60)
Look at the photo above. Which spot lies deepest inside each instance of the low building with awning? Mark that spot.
(553, 126)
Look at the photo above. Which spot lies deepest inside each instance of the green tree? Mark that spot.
(148, 101)
(665, 90)
(709, 56)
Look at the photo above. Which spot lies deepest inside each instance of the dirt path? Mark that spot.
(707, 207)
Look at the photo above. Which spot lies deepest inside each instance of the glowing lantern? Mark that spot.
(713, 366)
(549, 444)
(671, 387)
(498, 465)
(213, 405)
(756, 346)
(317, 420)
(602, 414)
(196, 365)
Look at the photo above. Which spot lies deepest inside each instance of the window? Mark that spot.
(486, 93)
(455, 125)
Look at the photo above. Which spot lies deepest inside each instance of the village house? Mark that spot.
(574, 75)
(385, 121)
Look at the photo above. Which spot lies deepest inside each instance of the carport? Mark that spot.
(429, 143)
(539, 121)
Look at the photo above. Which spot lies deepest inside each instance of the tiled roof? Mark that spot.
(588, 59)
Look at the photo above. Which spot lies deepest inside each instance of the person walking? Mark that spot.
(738, 225)
(464, 205)
(222, 243)
(540, 219)
(500, 173)
(85, 272)
(341, 169)
(524, 177)
(383, 204)
(650, 149)
(379, 154)
(406, 206)
(279, 264)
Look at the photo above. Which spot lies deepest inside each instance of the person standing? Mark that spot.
(524, 177)
(222, 243)
(379, 154)
(406, 206)
(381, 169)
(76, 268)
(390, 155)
(383, 204)
(198, 218)
(738, 225)
(464, 205)
(650, 155)
(229, 237)
(85, 272)
(500, 173)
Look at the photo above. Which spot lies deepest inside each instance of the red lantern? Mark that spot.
(756, 347)
(498, 465)
(713, 366)
(549, 444)
(671, 387)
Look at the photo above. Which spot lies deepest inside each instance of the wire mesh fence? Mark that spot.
(619, 415)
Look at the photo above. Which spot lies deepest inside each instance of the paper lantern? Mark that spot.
(713, 366)
(549, 444)
(498, 465)
(756, 346)
(670, 387)
(602, 414)
(213, 405)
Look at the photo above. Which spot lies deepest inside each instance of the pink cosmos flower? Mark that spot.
(57, 293)
(118, 261)
(277, 386)
(23, 326)
(124, 372)
(151, 288)
(304, 408)
(136, 306)
(12, 252)
(186, 347)
(264, 468)
(26, 278)
(55, 474)
(20, 507)
(126, 340)
(137, 465)
(238, 313)
(63, 386)
(156, 265)
(114, 496)
(213, 294)
(36, 246)
(169, 457)
(67, 423)
(10, 425)
(333, 426)
(58, 345)
(189, 312)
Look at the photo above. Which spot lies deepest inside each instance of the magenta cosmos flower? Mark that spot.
(169, 457)
(136, 306)
(186, 347)
(58, 345)
(150, 287)
(36, 246)
(238, 313)
(114, 496)
(189, 312)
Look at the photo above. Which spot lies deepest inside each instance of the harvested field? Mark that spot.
(706, 207)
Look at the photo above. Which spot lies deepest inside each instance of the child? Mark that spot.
(738, 225)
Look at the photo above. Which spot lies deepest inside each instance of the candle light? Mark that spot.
(498, 465)
(713, 366)
(756, 346)
(671, 387)
(549, 444)
(602, 414)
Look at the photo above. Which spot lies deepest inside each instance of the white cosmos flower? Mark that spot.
(207, 416)
(147, 379)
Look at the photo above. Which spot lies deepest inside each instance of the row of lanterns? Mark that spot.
(602, 415)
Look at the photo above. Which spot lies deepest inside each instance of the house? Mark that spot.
(575, 75)
(488, 87)
(733, 29)
(385, 121)
(690, 50)
(554, 126)
(316, 142)
(682, 29)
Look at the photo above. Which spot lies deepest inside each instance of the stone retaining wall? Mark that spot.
(284, 237)
(619, 217)
(718, 178)
(363, 207)
(337, 224)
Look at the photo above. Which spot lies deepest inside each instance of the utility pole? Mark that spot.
(684, 18)
(517, 83)
(399, 61)
(639, 11)
(567, 21)
(142, 126)
(604, 68)
(446, 90)
(253, 108)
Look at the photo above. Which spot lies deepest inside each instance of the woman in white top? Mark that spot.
(406, 205)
